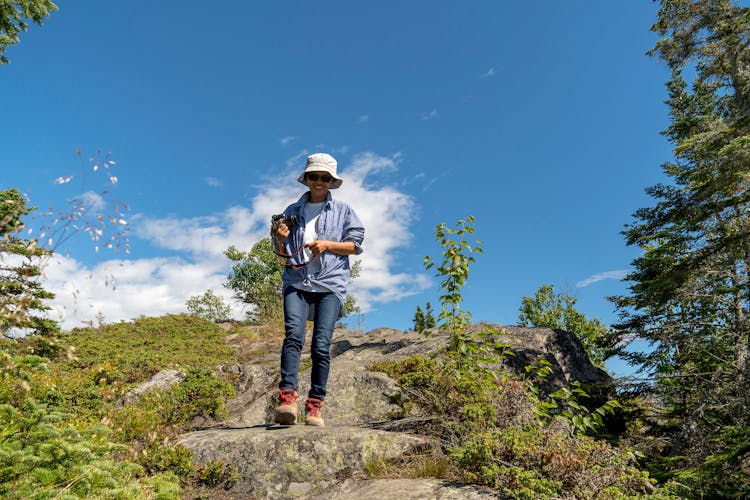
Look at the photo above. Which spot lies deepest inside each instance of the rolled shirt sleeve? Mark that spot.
(354, 230)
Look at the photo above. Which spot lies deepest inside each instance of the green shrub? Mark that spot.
(143, 421)
(217, 473)
(16, 376)
(85, 392)
(164, 487)
(44, 456)
(498, 436)
(497, 428)
(201, 394)
(209, 306)
(725, 473)
(159, 414)
(51, 444)
(46, 347)
(162, 458)
(544, 461)
(108, 360)
(135, 351)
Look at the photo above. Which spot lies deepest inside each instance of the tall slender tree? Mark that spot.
(22, 297)
(429, 316)
(418, 320)
(690, 288)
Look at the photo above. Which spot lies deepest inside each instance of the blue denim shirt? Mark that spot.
(337, 222)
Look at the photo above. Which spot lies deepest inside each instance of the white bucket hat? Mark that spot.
(321, 162)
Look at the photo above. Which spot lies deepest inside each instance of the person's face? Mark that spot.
(319, 184)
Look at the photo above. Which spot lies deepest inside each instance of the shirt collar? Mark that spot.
(306, 197)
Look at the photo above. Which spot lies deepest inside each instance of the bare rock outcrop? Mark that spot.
(363, 412)
(251, 382)
(565, 353)
(162, 381)
(358, 397)
(299, 461)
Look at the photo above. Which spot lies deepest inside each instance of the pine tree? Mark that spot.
(14, 17)
(419, 320)
(21, 293)
(690, 288)
(429, 317)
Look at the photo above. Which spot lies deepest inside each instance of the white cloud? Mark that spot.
(608, 275)
(489, 73)
(202, 237)
(363, 119)
(93, 200)
(125, 289)
(429, 116)
(285, 141)
(213, 182)
(387, 215)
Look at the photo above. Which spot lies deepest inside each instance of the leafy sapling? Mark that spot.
(458, 255)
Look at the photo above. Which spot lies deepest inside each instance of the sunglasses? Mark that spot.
(316, 177)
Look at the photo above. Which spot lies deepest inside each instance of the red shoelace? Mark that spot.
(313, 407)
(287, 397)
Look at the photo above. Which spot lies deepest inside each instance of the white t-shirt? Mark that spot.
(311, 212)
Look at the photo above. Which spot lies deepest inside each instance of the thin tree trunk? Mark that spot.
(688, 429)
(740, 327)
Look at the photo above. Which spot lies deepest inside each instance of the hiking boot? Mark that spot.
(286, 412)
(313, 412)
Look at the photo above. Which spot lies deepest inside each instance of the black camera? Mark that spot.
(290, 221)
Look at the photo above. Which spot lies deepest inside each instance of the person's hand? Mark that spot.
(282, 232)
(318, 246)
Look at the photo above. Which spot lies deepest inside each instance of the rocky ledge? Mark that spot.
(364, 420)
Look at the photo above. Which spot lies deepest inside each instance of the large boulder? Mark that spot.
(564, 352)
(567, 358)
(299, 461)
(251, 383)
(359, 396)
(162, 381)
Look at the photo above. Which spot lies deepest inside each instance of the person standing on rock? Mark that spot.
(316, 235)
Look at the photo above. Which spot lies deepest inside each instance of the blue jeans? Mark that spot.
(296, 305)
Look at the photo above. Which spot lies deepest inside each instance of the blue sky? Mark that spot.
(541, 119)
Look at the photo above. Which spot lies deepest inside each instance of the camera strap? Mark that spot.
(285, 256)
